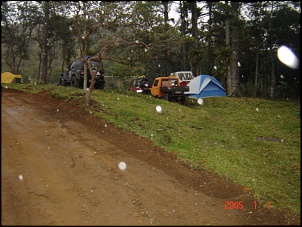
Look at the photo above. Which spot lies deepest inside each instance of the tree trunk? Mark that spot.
(195, 36)
(183, 31)
(167, 48)
(93, 74)
(39, 69)
(45, 43)
(209, 40)
(256, 75)
(234, 82)
(91, 87)
(228, 62)
(84, 54)
(273, 78)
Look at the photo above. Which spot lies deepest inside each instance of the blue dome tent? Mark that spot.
(205, 86)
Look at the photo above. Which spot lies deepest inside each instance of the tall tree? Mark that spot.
(228, 46)
(234, 83)
(167, 48)
(270, 31)
(46, 46)
(209, 38)
(253, 38)
(195, 50)
(121, 25)
(84, 25)
(184, 26)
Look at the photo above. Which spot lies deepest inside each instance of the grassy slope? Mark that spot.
(253, 142)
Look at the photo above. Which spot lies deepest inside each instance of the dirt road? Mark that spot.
(59, 166)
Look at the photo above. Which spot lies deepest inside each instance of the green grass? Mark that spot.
(256, 148)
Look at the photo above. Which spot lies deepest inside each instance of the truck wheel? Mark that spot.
(63, 82)
(165, 97)
(100, 85)
(74, 82)
(185, 100)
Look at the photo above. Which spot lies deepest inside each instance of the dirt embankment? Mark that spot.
(59, 167)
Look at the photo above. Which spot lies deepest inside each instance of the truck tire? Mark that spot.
(185, 100)
(60, 83)
(100, 85)
(74, 82)
(63, 83)
(165, 97)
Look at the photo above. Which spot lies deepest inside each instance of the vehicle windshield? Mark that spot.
(170, 82)
(95, 64)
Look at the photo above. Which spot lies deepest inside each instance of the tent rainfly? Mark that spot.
(8, 78)
(205, 86)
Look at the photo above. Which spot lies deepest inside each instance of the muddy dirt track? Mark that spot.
(59, 166)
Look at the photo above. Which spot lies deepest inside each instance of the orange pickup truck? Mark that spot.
(169, 88)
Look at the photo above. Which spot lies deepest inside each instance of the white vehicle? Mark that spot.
(184, 76)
